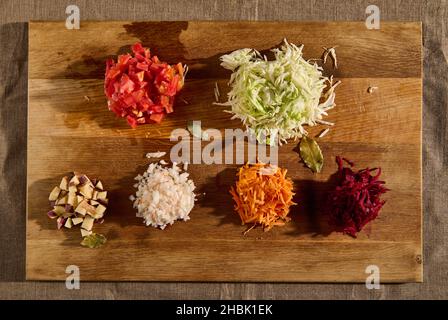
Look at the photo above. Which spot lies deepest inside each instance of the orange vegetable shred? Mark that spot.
(263, 195)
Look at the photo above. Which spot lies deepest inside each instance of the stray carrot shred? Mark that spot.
(260, 198)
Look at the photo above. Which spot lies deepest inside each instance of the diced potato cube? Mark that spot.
(60, 222)
(87, 224)
(102, 195)
(68, 224)
(103, 201)
(62, 200)
(100, 211)
(72, 188)
(86, 190)
(90, 209)
(87, 207)
(83, 179)
(64, 183)
(77, 220)
(81, 210)
(99, 185)
(74, 180)
(59, 210)
(85, 233)
(67, 214)
(71, 198)
(75, 202)
(54, 194)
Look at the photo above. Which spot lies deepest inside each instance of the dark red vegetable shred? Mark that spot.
(356, 199)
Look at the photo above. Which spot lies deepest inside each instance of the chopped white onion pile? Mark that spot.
(277, 97)
(164, 195)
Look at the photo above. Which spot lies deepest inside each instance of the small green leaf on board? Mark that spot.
(94, 240)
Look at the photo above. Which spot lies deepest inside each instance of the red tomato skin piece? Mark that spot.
(142, 66)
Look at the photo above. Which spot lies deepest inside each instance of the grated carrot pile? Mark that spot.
(263, 195)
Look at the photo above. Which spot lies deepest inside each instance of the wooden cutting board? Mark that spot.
(70, 128)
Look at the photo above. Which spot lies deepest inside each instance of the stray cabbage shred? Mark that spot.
(275, 98)
(164, 195)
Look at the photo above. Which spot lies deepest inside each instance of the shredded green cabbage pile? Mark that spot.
(275, 99)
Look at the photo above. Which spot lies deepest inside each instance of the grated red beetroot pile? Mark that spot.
(356, 199)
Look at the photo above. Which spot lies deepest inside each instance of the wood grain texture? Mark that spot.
(398, 45)
(68, 132)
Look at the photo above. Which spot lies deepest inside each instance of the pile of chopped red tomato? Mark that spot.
(356, 199)
(141, 88)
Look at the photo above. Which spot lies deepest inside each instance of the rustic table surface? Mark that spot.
(13, 137)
